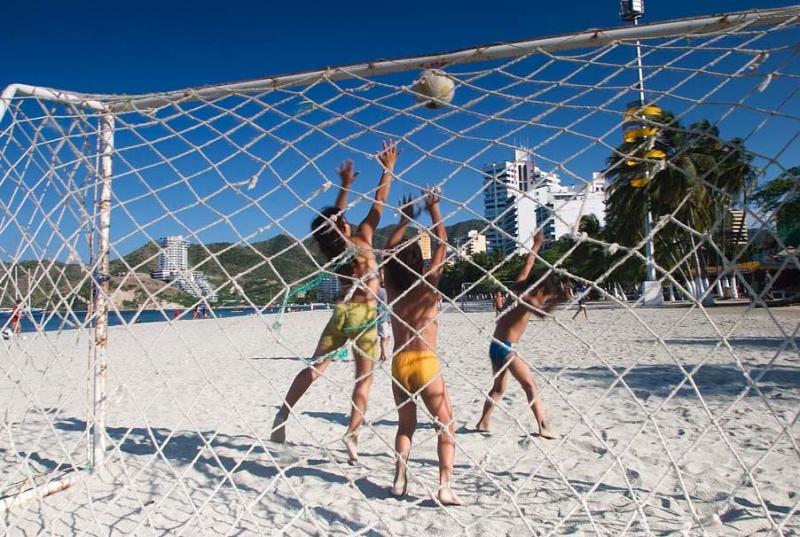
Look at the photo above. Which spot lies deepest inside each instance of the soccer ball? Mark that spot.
(7, 333)
(434, 88)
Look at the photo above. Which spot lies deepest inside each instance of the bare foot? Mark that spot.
(351, 444)
(544, 432)
(279, 429)
(400, 485)
(447, 496)
(481, 428)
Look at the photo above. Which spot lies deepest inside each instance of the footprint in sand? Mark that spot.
(634, 477)
(588, 446)
(694, 468)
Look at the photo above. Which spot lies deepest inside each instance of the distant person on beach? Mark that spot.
(498, 303)
(350, 255)
(16, 317)
(530, 299)
(581, 306)
(415, 366)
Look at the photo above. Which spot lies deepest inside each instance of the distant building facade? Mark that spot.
(519, 197)
(560, 208)
(328, 290)
(173, 266)
(473, 243)
(424, 239)
(737, 232)
(173, 258)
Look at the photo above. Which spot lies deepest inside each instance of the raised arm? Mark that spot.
(525, 271)
(407, 212)
(437, 259)
(387, 158)
(347, 175)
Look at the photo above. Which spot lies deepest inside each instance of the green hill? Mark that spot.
(261, 269)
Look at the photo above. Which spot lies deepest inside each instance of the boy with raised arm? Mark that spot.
(509, 327)
(353, 260)
(414, 301)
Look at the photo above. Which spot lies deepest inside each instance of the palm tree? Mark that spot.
(781, 197)
(699, 179)
(590, 259)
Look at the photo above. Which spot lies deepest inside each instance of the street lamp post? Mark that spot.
(632, 10)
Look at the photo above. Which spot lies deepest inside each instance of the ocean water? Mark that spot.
(40, 320)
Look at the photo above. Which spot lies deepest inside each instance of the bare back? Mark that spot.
(414, 318)
(513, 321)
(364, 270)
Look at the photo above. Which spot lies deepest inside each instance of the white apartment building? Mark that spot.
(737, 231)
(559, 208)
(518, 195)
(173, 258)
(173, 266)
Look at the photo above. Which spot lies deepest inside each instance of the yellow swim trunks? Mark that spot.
(356, 321)
(414, 369)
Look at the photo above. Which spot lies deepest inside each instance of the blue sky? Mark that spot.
(146, 47)
(120, 47)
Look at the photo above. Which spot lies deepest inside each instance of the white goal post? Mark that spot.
(121, 210)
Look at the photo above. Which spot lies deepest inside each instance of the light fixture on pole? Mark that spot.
(632, 10)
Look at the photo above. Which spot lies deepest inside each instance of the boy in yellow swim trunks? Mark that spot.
(529, 299)
(414, 302)
(354, 316)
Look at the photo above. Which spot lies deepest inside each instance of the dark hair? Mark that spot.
(404, 268)
(554, 290)
(329, 235)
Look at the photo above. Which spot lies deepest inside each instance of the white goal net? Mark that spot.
(160, 288)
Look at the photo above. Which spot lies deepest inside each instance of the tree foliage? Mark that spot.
(781, 198)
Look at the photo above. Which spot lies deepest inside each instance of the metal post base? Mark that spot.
(651, 293)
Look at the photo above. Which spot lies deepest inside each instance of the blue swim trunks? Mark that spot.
(499, 351)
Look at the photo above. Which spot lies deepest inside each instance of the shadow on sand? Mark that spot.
(711, 379)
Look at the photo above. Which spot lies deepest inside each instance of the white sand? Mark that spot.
(191, 405)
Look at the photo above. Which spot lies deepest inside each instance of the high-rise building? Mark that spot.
(328, 290)
(173, 258)
(472, 244)
(737, 232)
(173, 266)
(518, 195)
(424, 239)
(504, 200)
(559, 208)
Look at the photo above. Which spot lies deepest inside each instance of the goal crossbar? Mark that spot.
(589, 38)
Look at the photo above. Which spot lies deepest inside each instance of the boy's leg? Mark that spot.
(407, 424)
(300, 384)
(495, 394)
(360, 398)
(519, 369)
(437, 400)
(385, 350)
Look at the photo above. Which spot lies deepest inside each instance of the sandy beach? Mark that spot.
(644, 448)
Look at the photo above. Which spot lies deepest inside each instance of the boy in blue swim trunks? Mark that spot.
(528, 299)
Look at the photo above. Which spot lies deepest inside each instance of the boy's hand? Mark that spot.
(408, 208)
(347, 173)
(431, 198)
(388, 157)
